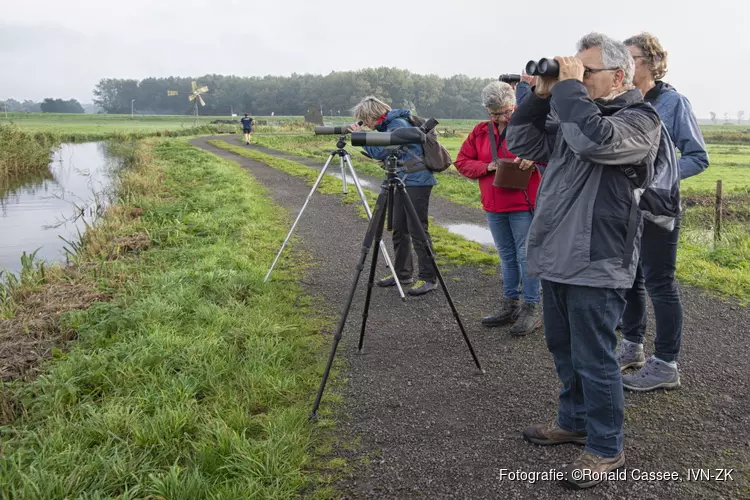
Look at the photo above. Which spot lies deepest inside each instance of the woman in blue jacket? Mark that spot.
(377, 115)
(656, 270)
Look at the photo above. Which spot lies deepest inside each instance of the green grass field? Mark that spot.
(89, 123)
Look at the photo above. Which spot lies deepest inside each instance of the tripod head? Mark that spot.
(392, 163)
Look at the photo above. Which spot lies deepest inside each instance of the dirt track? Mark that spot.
(433, 428)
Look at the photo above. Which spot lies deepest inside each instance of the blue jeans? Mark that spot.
(579, 326)
(509, 230)
(656, 273)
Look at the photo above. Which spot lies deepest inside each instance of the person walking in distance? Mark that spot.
(247, 127)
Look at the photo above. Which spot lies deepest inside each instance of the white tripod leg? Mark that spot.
(299, 216)
(383, 249)
(343, 177)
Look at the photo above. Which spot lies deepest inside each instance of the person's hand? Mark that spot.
(492, 166)
(544, 85)
(524, 164)
(355, 127)
(527, 78)
(571, 68)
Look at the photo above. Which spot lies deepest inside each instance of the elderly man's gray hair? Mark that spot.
(614, 53)
(498, 95)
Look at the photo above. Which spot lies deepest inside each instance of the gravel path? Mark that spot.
(432, 428)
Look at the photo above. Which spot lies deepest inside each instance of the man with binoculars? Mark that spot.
(584, 240)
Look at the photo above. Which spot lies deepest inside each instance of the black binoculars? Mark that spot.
(545, 67)
(510, 78)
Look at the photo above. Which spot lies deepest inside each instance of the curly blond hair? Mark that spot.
(654, 54)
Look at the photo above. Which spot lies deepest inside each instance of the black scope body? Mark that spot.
(334, 130)
(543, 67)
(397, 137)
(509, 78)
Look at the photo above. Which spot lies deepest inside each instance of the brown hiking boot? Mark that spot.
(548, 434)
(589, 470)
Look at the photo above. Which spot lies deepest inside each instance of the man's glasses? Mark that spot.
(589, 71)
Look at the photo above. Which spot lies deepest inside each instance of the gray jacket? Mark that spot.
(587, 225)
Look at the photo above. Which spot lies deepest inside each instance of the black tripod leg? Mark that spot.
(373, 267)
(379, 215)
(417, 225)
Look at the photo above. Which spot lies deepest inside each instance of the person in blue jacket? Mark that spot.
(377, 115)
(656, 270)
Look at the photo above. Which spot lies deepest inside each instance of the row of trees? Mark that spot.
(49, 105)
(740, 117)
(26, 106)
(335, 93)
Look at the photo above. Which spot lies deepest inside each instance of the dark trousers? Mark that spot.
(656, 274)
(404, 234)
(579, 326)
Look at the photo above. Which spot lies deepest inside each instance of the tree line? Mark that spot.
(49, 105)
(334, 94)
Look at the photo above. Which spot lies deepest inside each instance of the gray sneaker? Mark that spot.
(656, 374)
(630, 354)
(509, 311)
(421, 287)
(529, 319)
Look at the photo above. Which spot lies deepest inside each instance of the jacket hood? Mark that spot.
(392, 115)
(659, 89)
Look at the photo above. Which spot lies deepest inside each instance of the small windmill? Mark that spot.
(196, 96)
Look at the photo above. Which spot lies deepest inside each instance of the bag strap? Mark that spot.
(493, 146)
(493, 142)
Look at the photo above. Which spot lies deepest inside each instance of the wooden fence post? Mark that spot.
(717, 214)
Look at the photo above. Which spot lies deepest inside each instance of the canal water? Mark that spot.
(37, 211)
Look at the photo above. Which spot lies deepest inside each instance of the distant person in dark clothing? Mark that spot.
(247, 127)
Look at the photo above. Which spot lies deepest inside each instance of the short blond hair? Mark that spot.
(370, 108)
(654, 54)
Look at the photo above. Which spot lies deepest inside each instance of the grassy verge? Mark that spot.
(449, 248)
(194, 380)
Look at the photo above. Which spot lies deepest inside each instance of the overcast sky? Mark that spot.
(62, 48)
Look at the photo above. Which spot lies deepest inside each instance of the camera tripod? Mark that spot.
(391, 187)
(343, 155)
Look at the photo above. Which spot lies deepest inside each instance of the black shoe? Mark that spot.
(529, 319)
(508, 313)
(391, 281)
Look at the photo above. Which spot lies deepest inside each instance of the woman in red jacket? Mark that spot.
(509, 211)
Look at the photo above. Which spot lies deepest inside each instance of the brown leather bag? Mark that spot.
(508, 174)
